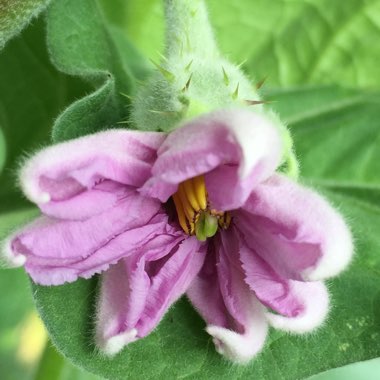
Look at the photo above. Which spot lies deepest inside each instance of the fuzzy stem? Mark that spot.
(188, 29)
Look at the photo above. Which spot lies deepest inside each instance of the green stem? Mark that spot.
(188, 29)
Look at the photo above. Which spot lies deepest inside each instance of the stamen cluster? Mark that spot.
(193, 210)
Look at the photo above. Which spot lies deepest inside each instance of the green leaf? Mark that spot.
(290, 42)
(16, 302)
(80, 43)
(317, 117)
(15, 15)
(32, 94)
(318, 41)
(336, 133)
(142, 20)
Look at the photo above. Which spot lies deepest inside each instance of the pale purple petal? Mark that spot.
(236, 147)
(59, 251)
(295, 230)
(270, 288)
(235, 319)
(136, 293)
(315, 300)
(65, 179)
(87, 203)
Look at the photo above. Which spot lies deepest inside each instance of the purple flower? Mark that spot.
(200, 211)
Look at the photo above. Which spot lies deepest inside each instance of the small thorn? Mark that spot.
(225, 77)
(241, 63)
(187, 68)
(187, 85)
(261, 82)
(167, 74)
(161, 56)
(235, 93)
(256, 102)
(126, 95)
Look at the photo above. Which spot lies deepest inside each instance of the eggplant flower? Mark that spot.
(200, 211)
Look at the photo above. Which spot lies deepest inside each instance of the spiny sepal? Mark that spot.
(190, 90)
(194, 79)
(166, 73)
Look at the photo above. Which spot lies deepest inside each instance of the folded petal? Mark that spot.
(58, 251)
(295, 230)
(235, 319)
(270, 288)
(235, 147)
(65, 179)
(136, 293)
(315, 300)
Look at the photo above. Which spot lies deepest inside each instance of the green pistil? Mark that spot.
(206, 227)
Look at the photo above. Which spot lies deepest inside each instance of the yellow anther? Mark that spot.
(181, 214)
(194, 214)
(190, 194)
(225, 220)
(200, 191)
(189, 211)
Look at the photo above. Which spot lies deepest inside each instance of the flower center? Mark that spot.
(193, 210)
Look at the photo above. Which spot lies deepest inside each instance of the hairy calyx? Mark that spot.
(194, 213)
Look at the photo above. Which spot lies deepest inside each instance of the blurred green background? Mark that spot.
(33, 93)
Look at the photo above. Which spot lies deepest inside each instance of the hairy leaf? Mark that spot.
(15, 15)
(336, 134)
(32, 94)
(141, 19)
(320, 41)
(80, 43)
